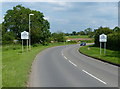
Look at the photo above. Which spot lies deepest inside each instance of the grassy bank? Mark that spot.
(111, 56)
(16, 65)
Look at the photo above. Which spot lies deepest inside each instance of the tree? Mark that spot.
(58, 37)
(99, 31)
(74, 33)
(81, 33)
(8, 38)
(113, 41)
(67, 34)
(17, 20)
(116, 29)
(88, 31)
(0, 34)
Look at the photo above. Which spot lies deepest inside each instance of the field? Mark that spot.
(77, 36)
(16, 65)
(84, 38)
(110, 56)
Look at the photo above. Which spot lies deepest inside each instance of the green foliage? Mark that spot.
(16, 20)
(74, 33)
(81, 33)
(116, 29)
(113, 37)
(87, 31)
(0, 34)
(100, 31)
(58, 37)
(8, 38)
(114, 41)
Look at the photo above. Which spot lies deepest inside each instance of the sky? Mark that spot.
(72, 16)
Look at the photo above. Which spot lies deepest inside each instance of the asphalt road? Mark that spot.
(64, 66)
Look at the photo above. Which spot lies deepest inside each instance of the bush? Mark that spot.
(8, 38)
(113, 41)
(100, 31)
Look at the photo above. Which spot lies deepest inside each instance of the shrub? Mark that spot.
(100, 31)
(114, 41)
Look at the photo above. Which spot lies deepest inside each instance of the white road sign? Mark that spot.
(24, 35)
(103, 38)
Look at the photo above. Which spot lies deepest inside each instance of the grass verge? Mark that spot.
(111, 56)
(16, 65)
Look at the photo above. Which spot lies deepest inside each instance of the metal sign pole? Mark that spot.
(29, 34)
(105, 48)
(22, 45)
(27, 44)
(100, 48)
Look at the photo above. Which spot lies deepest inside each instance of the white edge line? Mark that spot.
(94, 77)
(73, 63)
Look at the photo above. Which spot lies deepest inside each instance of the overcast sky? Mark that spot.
(72, 16)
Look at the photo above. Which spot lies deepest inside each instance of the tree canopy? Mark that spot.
(16, 20)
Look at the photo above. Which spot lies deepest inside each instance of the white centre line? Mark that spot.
(65, 57)
(62, 53)
(94, 77)
(73, 63)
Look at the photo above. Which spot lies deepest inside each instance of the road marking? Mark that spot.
(62, 53)
(65, 57)
(73, 63)
(94, 77)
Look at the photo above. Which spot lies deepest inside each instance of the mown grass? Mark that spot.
(16, 65)
(110, 56)
(81, 36)
(78, 36)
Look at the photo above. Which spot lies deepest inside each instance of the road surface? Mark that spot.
(64, 66)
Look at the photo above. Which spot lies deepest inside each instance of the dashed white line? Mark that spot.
(83, 70)
(65, 57)
(62, 53)
(94, 77)
(73, 63)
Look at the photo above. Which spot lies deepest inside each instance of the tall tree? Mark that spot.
(88, 31)
(58, 37)
(74, 33)
(17, 20)
(116, 29)
(99, 31)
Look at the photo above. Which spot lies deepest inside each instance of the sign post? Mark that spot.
(103, 38)
(24, 36)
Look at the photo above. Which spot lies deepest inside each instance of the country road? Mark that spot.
(64, 66)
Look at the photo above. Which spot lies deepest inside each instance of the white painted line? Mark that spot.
(94, 77)
(73, 63)
(62, 53)
(65, 57)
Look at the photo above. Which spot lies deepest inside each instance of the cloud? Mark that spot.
(69, 16)
(60, 6)
(58, 3)
(59, 0)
